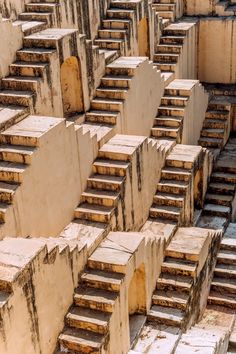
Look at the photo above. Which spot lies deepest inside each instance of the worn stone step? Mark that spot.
(165, 315)
(219, 199)
(172, 39)
(168, 121)
(81, 341)
(108, 43)
(212, 133)
(40, 55)
(174, 299)
(105, 117)
(226, 257)
(217, 210)
(171, 111)
(219, 106)
(105, 182)
(221, 188)
(116, 23)
(172, 186)
(111, 93)
(228, 243)
(41, 7)
(110, 167)
(19, 98)
(215, 298)
(23, 68)
(165, 132)
(173, 282)
(223, 177)
(166, 57)
(95, 299)
(93, 212)
(120, 13)
(11, 172)
(214, 123)
(166, 67)
(21, 83)
(15, 153)
(178, 266)
(215, 114)
(224, 285)
(88, 319)
(103, 104)
(30, 27)
(169, 199)
(169, 48)
(98, 197)
(165, 212)
(179, 101)
(225, 271)
(175, 174)
(210, 142)
(7, 192)
(102, 280)
(116, 81)
(111, 33)
(36, 16)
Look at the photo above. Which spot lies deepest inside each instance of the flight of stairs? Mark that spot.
(115, 32)
(166, 9)
(168, 123)
(223, 286)
(215, 126)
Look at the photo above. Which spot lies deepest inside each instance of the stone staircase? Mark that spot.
(223, 286)
(168, 123)
(177, 286)
(221, 189)
(165, 9)
(216, 126)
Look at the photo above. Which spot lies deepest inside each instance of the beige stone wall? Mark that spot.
(217, 53)
(199, 7)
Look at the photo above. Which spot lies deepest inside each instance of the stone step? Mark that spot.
(164, 6)
(171, 282)
(165, 67)
(210, 142)
(7, 192)
(19, 98)
(225, 271)
(223, 177)
(173, 187)
(178, 267)
(104, 117)
(41, 7)
(228, 243)
(213, 133)
(172, 299)
(110, 167)
(219, 106)
(36, 16)
(98, 197)
(105, 182)
(116, 23)
(21, 83)
(167, 14)
(178, 101)
(226, 257)
(24, 68)
(215, 114)
(15, 153)
(30, 27)
(214, 123)
(88, 319)
(113, 44)
(116, 81)
(81, 341)
(168, 121)
(102, 104)
(165, 315)
(111, 33)
(217, 210)
(175, 174)
(20, 138)
(172, 40)
(171, 111)
(40, 55)
(219, 199)
(169, 199)
(120, 13)
(93, 212)
(165, 132)
(166, 57)
(223, 285)
(95, 299)
(169, 48)
(98, 279)
(215, 298)
(221, 188)
(11, 172)
(165, 212)
(111, 93)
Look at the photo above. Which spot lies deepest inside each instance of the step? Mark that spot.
(111, 93)
(110, 167)
(15, 153)
(171, 282)
(109, 33)
(36, 16)
(221, 188)
(7, 192)
(81, 341)
(165, 67)
(178, 101)
(104, 117)
(180, 267)
(112, 44)
(223, 177)
(98, 197)
(166, 57)
(215, 114)
(220, 199)
(106, 104)
(11, 172)
(165, 212)
(217, 210)
(224, 285)
(165, 315)
(21, 83)
(213, 133)
(175, 174)
(169, 199)
(19, 98)
(171, 111)
(214, 123)
(30, 27)
(172, 299)
(40, 55)
(93, 212)
(210, 142)
(165, 132)
(168, 121)
(105, 182)
(116, 81)
(95, 299)
(41, 7)
(120, 13)
(225, 271)
(215, 298)
(24, 68)
(171, 39)
(87, 319)
(228, 243)
(116, 23)
(226, 257)
(98, 279)
(175, 187)
(169, 48)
